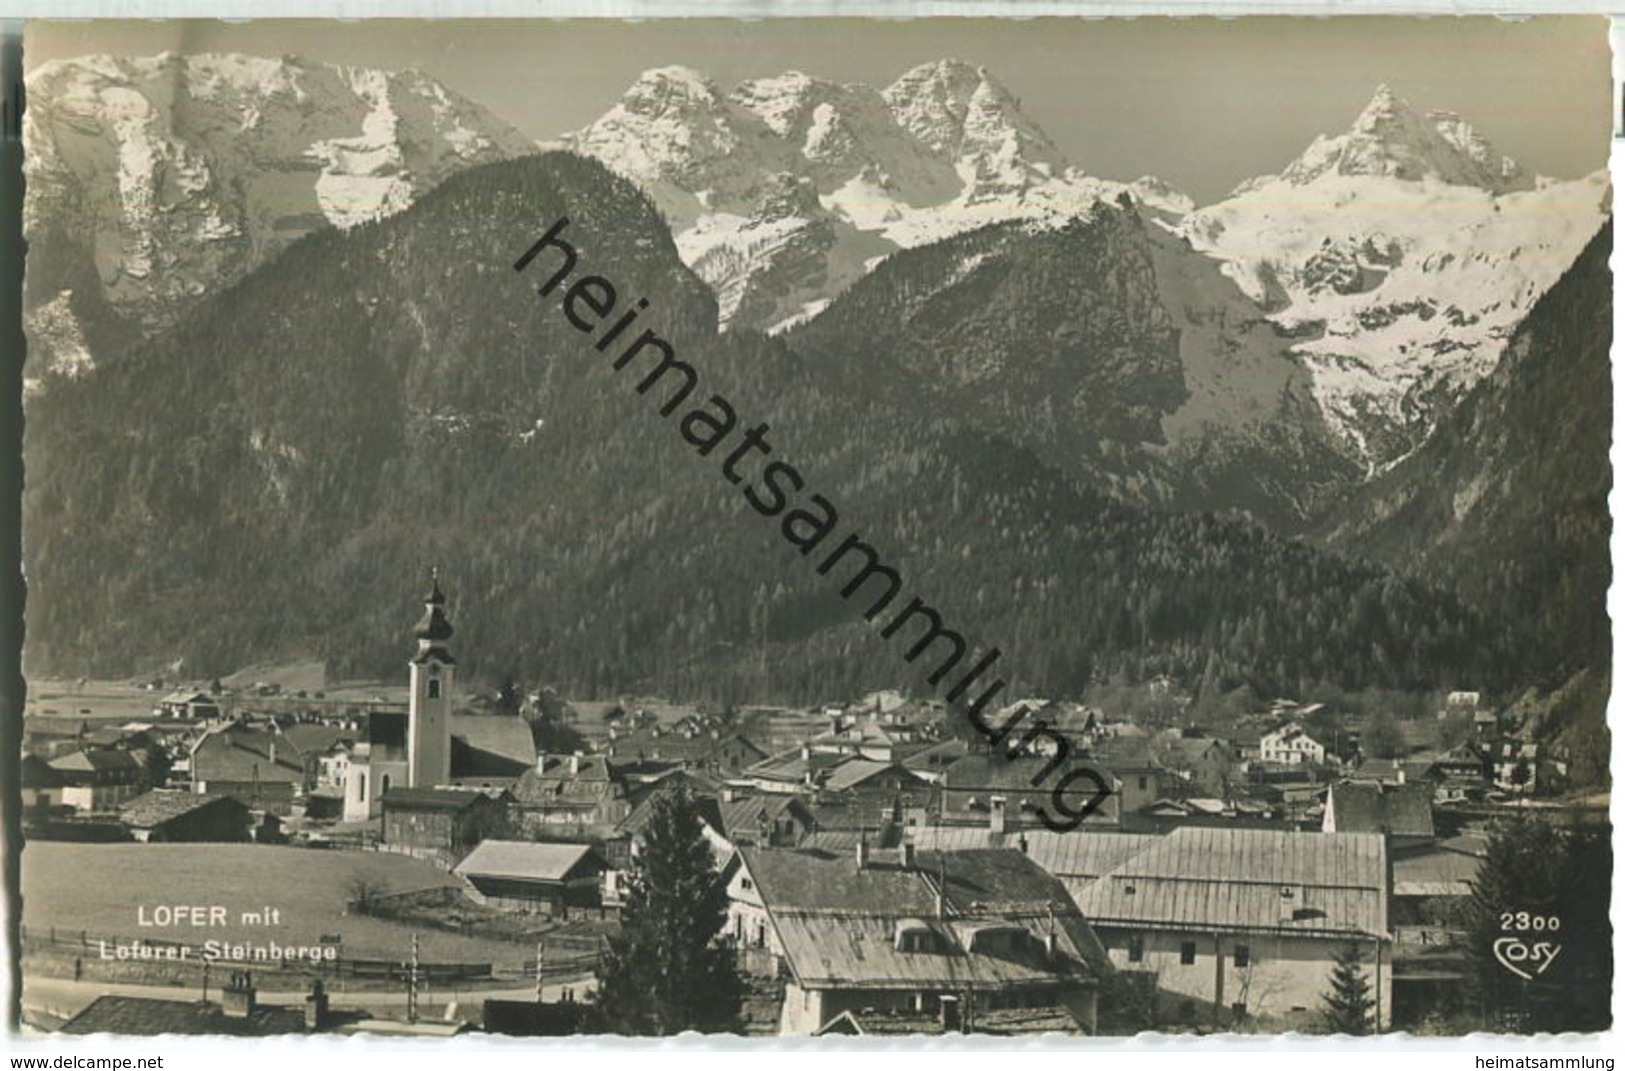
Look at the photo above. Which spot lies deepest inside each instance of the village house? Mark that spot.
(977, 790)
(97, 780)
(690, 745)
(443, 824)
(1463, 764)
(796, 769)
(931, 764)
(253, 764)
(1291, 745)
(1523, 767)
(575, 793)
(767, 821)
(916, 940)
(196, 705)
(1402, 812)
(862, 793)
(1245, 922)
(42, 786)
(1204, 765)
(51, 736)
(169, 816)
(534, 877)
(238, 1013)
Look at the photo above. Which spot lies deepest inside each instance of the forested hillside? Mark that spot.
(275, 478)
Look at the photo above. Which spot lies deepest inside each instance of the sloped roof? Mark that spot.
(1360, 807)
(937, 756)
(669, 746)
(54, 725)
(551, 782)
(431, 799)
(854, 772)
(826, 951)
(1077, 856)
(1220, 878)
(159, 806)
(525, 860)
(95, 760)
(243, 753)
(1435, 873)
(742, 817)
(315, 738)
(637, 821)
(37, 773)
(838, 923)
(491, 745)
(792, 765)
(147, 1017)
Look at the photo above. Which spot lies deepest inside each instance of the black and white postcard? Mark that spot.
(817, 527)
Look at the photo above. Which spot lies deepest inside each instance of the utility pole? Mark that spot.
(539, 945)
(412, 983)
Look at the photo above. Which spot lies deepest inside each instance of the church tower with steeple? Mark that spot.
(433, 672)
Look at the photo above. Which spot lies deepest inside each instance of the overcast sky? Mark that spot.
(1201, 103)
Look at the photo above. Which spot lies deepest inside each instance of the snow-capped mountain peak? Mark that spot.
(786, 189)
(1390, 138)
(1400, 255)
(174, 174)
(962, 112)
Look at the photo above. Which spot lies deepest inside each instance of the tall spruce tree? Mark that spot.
(1350, 1007)
(665, 973)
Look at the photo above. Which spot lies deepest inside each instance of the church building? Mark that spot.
(414, 750)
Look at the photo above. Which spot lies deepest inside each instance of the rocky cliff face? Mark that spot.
(156, 180)
(786, 190)
(1401, 255)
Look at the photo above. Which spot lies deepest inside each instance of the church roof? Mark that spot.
(433, 627)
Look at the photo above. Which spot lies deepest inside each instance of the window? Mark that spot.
(434, 689)
(1243, 956)
(1142, 784)
(744, 883)
(1187, 952)
(1136, 948)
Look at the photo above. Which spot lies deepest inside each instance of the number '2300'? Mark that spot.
(1524, 922)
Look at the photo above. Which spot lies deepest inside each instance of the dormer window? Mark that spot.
(915, 935)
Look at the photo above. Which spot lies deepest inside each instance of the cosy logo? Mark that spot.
(1523, 959)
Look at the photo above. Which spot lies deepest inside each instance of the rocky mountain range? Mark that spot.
(152, 181)
(1328, 317)
(917, 265)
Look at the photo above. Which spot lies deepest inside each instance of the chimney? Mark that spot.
(237, 997)
(541, 762)
(907, 850)
(995, 813)
(316, 1016)
(863, 850)
(575, 762)
(806, 753)
(1021, 842)
(1049, 946)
